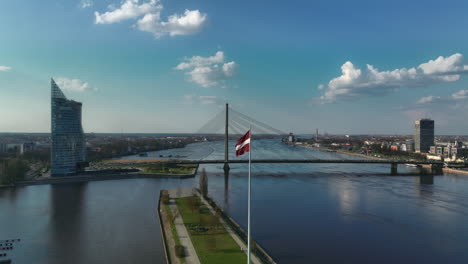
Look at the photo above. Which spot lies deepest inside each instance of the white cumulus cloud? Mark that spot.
(4, 68)
(201, 99)
(148, 15)
(190, 22)
(75, 85)
(445, 66)
(458, 97)
(355, 83)
(129, 9)
(428, 99)
(208, 71)
(86, 3)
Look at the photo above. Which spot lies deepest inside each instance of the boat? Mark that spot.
(143, 155)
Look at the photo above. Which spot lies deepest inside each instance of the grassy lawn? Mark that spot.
(169, 168)
(211, 241)
(173, 229)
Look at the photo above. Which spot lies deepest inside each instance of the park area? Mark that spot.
(194, 231)
(149, 166)
(171, 169)
(211, 240)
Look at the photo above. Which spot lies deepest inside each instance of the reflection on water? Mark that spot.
(226, 188)
(66, 221)
(301, 213)
(348, 197)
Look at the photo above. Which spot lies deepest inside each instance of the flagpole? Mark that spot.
(248, 206)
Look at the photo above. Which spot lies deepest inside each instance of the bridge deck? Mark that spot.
(303, 161)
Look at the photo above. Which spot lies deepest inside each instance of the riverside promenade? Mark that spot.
(199, 227)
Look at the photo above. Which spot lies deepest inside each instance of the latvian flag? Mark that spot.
(243, 144)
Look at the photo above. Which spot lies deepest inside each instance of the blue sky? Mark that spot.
(168, 65)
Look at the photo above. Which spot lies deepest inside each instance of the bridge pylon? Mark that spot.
(394, 169)
(226, 140)
(437, 169)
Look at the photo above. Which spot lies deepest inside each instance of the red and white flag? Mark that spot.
(243, 144)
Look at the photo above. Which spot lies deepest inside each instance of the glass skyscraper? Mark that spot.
(68, 141)
(424, 135)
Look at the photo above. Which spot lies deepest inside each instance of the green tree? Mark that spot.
(12, 170)
(204, 183)
(165, 197)
(193, 203)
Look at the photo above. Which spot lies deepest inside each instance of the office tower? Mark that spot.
(424, 135)
(68, 142)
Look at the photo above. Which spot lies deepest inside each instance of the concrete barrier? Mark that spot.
(163, 233)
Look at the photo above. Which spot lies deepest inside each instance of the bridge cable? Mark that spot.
(277, 131)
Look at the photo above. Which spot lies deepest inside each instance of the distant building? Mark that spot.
(68, 141)
(394, 148)
(409, 145)
(449, 151)
(440, 150)
(462, 153)
(403, 147)
(28, 146)
(15, 148)
(424, 135)
(3, 148)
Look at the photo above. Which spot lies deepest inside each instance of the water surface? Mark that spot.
(301, 213)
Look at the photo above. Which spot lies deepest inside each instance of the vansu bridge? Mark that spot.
(240, 123)
(436, 166)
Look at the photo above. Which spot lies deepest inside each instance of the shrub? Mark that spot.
(165, 197)
(12, 170)
(203, 183)
(179, 251)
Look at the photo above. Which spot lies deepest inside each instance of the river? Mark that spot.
(301, 213)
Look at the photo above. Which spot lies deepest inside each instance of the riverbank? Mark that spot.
(341, 152)
(455, 171)
(111, 174)
(97, 177)
(445, 170)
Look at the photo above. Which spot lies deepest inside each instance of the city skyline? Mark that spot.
(161, 67)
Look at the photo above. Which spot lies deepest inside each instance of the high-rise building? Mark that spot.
(424, 135)
(68, 141)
